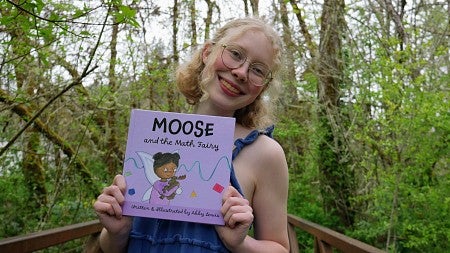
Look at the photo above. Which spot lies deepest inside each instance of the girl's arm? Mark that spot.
(268, 212)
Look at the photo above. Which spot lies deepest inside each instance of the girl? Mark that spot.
(230, 76)
(165, 166)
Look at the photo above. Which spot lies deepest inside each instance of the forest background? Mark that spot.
(363, 117)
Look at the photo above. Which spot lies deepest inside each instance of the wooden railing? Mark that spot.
(44, 239)
(325, 240)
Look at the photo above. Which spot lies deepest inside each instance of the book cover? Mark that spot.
(177, 165)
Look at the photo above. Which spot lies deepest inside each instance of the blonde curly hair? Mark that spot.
(193, 76)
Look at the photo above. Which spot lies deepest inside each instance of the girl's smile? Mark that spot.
(229, 88)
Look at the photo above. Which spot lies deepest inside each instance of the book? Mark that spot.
(177, 165)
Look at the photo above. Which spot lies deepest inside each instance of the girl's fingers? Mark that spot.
(120, 182)
(109, 205)
(234, 201)
(231, 192)
(236, 209)
(244, 219)
(115, 192)
(111, 199)
(239, 215)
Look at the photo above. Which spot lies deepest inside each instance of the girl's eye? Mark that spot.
(166, 170)
(236, 54)
(259, 70)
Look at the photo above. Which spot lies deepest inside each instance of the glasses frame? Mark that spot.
(267, 79)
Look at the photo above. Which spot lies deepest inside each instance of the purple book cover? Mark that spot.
(177, 165)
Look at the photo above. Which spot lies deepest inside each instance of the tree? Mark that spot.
(28, 84)
(334, 161)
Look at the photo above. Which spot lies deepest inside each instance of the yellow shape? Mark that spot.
(193, 194)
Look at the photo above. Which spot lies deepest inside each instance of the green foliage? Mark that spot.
(402, 148)
(418, 222)
(14, 196)
(126, 15)
(397, 124)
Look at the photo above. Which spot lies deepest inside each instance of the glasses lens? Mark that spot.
(233, 57)
(258, 73)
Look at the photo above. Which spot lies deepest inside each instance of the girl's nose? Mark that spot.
(241, 73)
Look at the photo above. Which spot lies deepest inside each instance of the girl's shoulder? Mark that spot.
(268, 147)
(264, 151)
(261, 140)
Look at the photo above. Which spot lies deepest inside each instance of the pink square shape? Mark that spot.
(218, 188)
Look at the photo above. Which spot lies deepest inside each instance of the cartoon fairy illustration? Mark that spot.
(160, 171)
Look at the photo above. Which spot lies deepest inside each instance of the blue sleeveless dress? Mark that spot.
(168, 236)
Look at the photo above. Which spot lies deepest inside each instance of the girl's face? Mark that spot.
(166, 171)
(231, 90)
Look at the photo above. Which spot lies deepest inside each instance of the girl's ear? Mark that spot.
(206, 52)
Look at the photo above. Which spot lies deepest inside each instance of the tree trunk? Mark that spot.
(208, 19)
(171, 88)
(193, 13)
(33, 170)
(27, 82)
(255, 7)
(337, 182)
(246, 12)
(304, 29)
(290, 81)
(113, 156)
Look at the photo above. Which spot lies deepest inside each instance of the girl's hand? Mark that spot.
(108, 207)
(238, 216)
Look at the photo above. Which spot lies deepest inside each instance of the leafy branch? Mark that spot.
(87, 70)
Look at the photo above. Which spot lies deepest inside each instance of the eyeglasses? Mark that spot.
(233, 57)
